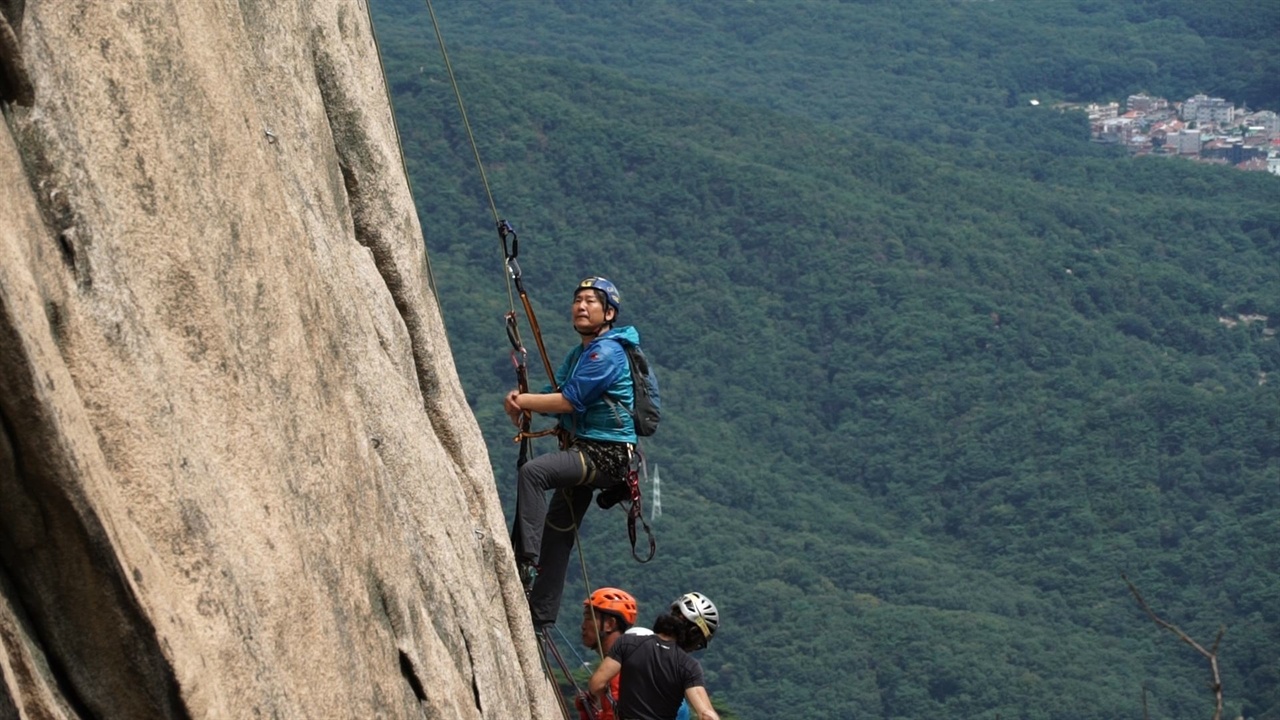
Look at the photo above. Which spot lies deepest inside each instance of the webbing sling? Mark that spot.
(636, 510)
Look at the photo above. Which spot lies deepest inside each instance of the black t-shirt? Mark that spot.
(655, 674)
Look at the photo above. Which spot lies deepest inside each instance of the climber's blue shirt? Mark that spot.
(593, 375)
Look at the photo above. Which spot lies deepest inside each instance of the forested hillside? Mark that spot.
(936, 369)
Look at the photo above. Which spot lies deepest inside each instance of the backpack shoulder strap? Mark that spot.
(632, 367)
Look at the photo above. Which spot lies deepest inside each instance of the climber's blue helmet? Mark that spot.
(607, 290)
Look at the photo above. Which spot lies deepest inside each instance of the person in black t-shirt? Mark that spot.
(657, 670)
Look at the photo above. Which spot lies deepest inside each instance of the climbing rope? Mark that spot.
(471, 138)
(549, 645)
(545, 643)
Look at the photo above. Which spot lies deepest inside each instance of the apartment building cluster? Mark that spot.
(1201, 128)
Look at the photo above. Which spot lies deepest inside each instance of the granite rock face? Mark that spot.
(238, 476)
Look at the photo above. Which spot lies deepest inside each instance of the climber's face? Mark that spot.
(590, 628)
(596, 626)
(590, 314)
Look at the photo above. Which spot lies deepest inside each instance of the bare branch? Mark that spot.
(1210, 655)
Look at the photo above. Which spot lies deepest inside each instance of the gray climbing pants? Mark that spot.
(545, 535)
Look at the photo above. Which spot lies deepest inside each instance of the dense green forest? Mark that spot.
(936, 368)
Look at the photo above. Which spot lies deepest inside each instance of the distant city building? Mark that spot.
(1145, 104)
(1183, 142)
(1264, 122)
(1204, 110)
(1117, 130)
(1202, 128)
(1169, 126)
(1233, 153)
(1105, 111)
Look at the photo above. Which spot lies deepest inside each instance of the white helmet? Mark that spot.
(699, 610)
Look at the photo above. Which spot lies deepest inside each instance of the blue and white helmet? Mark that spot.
(612, 297)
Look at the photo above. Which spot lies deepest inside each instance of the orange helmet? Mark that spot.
(615, 602)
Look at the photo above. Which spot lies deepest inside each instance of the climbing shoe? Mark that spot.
(528, 572)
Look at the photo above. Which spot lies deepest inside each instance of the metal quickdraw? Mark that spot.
(505, 231)
(519, 356)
